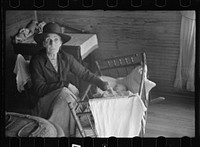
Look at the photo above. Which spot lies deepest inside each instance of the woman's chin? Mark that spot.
(52, 52)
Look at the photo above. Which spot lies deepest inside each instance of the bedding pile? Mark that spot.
(26, 33)
(120, 113)
(125, 86)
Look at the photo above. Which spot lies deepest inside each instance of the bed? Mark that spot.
(128, 78)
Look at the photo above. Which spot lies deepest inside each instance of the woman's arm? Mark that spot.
(83, 73)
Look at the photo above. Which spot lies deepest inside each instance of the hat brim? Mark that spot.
(40, 37)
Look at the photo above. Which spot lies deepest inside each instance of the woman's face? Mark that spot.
(52, 43)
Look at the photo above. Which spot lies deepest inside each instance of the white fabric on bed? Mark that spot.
(125, 86)
(129, 83)
(119, 117)
(133, 79)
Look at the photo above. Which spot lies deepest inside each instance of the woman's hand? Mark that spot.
(109, 89)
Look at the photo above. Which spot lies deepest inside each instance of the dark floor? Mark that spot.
(20, 103)
(173, 117)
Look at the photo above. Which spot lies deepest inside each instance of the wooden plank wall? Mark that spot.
(14, 21)
(123, 32)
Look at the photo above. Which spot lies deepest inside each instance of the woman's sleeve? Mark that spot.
(83, 73)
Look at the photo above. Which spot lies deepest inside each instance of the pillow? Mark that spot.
(119, 88)
(149, 85)
(112, 81)
(132, 80)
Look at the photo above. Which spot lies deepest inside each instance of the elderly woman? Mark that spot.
(49, 69)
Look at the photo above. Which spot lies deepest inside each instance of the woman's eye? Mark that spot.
(56, 39)
(47, 40)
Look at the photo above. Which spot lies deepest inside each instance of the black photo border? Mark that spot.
(97, 5)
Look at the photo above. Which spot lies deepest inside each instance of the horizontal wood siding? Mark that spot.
(123, 32)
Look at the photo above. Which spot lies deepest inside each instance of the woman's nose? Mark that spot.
(50, 41)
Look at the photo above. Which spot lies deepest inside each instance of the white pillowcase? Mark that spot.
(133, 79)
(131, 82)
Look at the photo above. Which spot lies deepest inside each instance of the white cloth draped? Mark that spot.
(119, 117)
(22, 72)
(186, 65)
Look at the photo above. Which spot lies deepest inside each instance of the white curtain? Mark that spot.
(185, 74)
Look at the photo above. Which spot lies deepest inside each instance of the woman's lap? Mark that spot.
(54, 107)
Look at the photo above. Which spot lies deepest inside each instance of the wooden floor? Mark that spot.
(174, 117)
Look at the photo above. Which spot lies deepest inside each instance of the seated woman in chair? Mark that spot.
(49, 69)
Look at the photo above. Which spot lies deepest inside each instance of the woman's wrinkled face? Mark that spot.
(52, 43)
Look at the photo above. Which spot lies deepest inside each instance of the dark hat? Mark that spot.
(51, 27)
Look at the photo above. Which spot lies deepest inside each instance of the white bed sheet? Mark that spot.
(118, 117)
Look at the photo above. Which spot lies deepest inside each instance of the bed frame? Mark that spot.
(114, 67)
